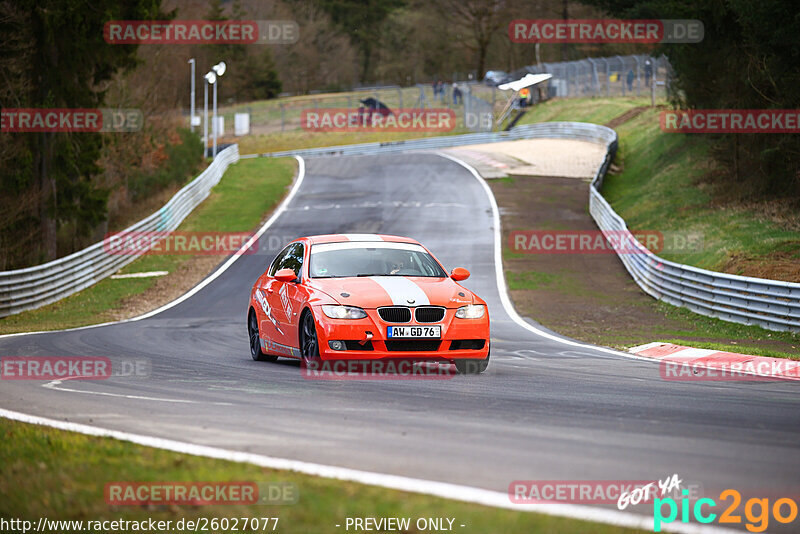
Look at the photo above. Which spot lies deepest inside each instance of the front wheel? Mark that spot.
(471, 367)
(309, 345)
(255, 340)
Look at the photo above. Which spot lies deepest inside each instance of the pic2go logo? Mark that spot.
(758, 521)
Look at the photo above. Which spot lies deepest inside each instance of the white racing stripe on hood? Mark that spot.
(362, 237)
(400, 289)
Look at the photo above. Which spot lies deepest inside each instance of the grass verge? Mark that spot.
(658, 187)
(661, 187)
(600, 111)
(62, 475)
(247, 192)
(299, 139)
(596, 110)
(275, 124)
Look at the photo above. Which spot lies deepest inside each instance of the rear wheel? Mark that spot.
(255, 340)
(472, 367)
(309, 345)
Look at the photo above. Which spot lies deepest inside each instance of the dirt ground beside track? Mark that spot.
(590, 297)
(580, 295)
(166, 288)
(540, 157)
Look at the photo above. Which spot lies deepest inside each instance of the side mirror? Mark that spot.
(286, 275)
(459, 273)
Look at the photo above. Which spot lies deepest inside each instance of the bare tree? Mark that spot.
(481, 20)
(322, 57)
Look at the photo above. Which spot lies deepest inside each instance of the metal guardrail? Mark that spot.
(32, 287)
(565, 130)
(772, 304)
(769, 303)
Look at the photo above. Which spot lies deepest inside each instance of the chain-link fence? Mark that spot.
(477, 105)
(637, 75)
(472, 103)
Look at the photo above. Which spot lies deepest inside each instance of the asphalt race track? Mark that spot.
(544, 410)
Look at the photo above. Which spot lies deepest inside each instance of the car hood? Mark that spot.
(375, 291)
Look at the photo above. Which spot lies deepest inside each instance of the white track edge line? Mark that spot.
(444, 490)
(502, 288)
(509, 307)
(426, 487)
(301, 173)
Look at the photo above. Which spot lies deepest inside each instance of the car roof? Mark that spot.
(344, 238)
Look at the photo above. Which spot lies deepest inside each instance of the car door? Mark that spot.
(270, 326)
(286, 298)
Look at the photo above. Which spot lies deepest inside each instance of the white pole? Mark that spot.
(205, 119)
(191, 118)
(214, 122)
(653, 84)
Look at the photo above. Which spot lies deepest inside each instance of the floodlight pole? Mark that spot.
(218, 70)
(205, 117)
(214, 123)
(191, 118)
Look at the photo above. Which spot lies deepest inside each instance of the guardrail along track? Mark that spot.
(32, 287)
(769, 303)
(772, 304)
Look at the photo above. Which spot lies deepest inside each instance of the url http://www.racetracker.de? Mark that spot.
(200, 524)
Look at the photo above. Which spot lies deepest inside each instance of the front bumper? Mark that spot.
(458, 335)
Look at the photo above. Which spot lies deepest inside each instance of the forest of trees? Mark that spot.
(749, 59)
(61, 191)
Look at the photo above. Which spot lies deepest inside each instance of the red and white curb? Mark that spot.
(690, 364)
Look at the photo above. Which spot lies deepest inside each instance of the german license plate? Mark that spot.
(414, 331)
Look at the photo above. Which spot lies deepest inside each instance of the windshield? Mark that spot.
(336, 260)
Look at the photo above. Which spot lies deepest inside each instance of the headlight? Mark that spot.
(343, 312)
(473, 311)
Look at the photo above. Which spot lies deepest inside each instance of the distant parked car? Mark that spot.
(376, 106)
(496, 77)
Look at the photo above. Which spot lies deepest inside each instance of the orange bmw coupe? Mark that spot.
(366, 297)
